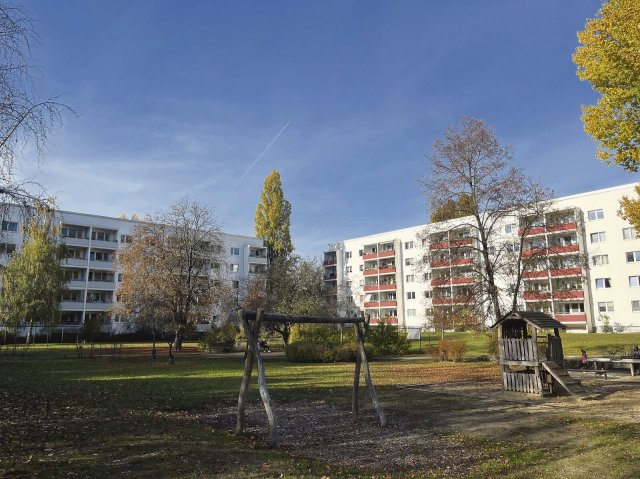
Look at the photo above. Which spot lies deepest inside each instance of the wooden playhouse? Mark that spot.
(531, 357)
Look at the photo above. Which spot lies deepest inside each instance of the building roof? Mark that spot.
(534, 318)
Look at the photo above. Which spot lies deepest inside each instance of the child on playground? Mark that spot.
(584, 359)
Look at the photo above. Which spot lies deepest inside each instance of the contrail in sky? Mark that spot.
(255, 162)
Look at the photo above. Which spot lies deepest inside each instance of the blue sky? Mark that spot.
(181, 98)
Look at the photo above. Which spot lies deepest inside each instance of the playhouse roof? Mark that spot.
(534, 318)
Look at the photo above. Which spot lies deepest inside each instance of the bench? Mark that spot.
(631, 363)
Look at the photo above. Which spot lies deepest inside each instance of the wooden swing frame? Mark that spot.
(252, 321)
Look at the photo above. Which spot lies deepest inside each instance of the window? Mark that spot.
(234, 268)
(361, 283)
(349, 269)
(72, 233)
(9, 226)
(235, 284)
(100, 236)
(347, 255)
(411, 312)
(633, 256)
(408, 245)
(602, 283)
(235, 251)
(349, 284)
(569, 308)
(125, 238)
(119, 277)
(360, 252)
(409, 278)
(509, 228)
(408, 262)
(7, 248)
(598, 237)
(99, 256)
(411, 295)
(428, 294)
(594, 215)
(629, 233)
(605, 307)
(428, 311)
(635, 306)
(426, 276)
(634, 281)
(361, 267)
(600, 259)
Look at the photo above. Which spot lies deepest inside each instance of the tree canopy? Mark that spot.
(452, 209)
(609, 58)
(273, 218)
(33, 280)
(172, 269)
(25, 118)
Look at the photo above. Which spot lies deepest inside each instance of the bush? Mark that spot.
(317, 332)
(387, 339)
(492, 343)
(448, 350)
(324, 352)
(219, 337)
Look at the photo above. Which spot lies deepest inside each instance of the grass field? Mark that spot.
(136, 417)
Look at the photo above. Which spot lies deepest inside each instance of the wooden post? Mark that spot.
(246, 378)
(356, 383)
(262, 383)
(367, 375)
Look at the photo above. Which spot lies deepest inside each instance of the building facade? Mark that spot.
(92, 243)
(581, 264)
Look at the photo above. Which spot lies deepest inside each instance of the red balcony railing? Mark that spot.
(386, 254)
(537, 230)
(566, 272)
(534, 274)
(536, 296)
(440, 264)
(572, 318)
(370, 272)
(386, 320)
(370, 256)
(437, 301)
(564, 249)
(569, 294)
(563, 227)
(380, 287)
(452, 244)
(372, 304)
(461, 261)
(388, 270)
(464, 280)
(388, 304)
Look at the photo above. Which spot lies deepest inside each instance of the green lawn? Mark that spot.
(137, 417)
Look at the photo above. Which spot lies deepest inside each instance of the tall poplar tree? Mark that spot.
(33, 280)
(273, 218)
(609, 58)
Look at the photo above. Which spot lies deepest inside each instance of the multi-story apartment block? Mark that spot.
(581, 264)
(92, 243)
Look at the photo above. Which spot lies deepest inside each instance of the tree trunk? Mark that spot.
(29, 333)
(177, 342)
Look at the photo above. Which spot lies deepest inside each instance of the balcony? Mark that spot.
(386, 254)
(102, 264)
(562, 227)
(452, 244)
(537, 296)
(329, 277)
(387, 270)
(367, 256)
(371, 304)
(329, 262)
(440, 264)
(538, 230)
(370, 272)
(461, 261)
(98, 306)
(110, 245)
(571, 318)
(72, 241)
(375, 321)
(566, 272)
(108, 285)
(569, 294)
(381, 304)
(534, 274)
(75, 284)
(74, 262)
(379, 287)
(573, 248)
(440, 282)
(71, 305)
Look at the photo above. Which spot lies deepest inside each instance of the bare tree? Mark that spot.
(481, 265)
(172, 269)
(25, 118)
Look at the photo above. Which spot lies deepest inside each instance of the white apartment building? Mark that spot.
(405, 275)
(92, 243)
